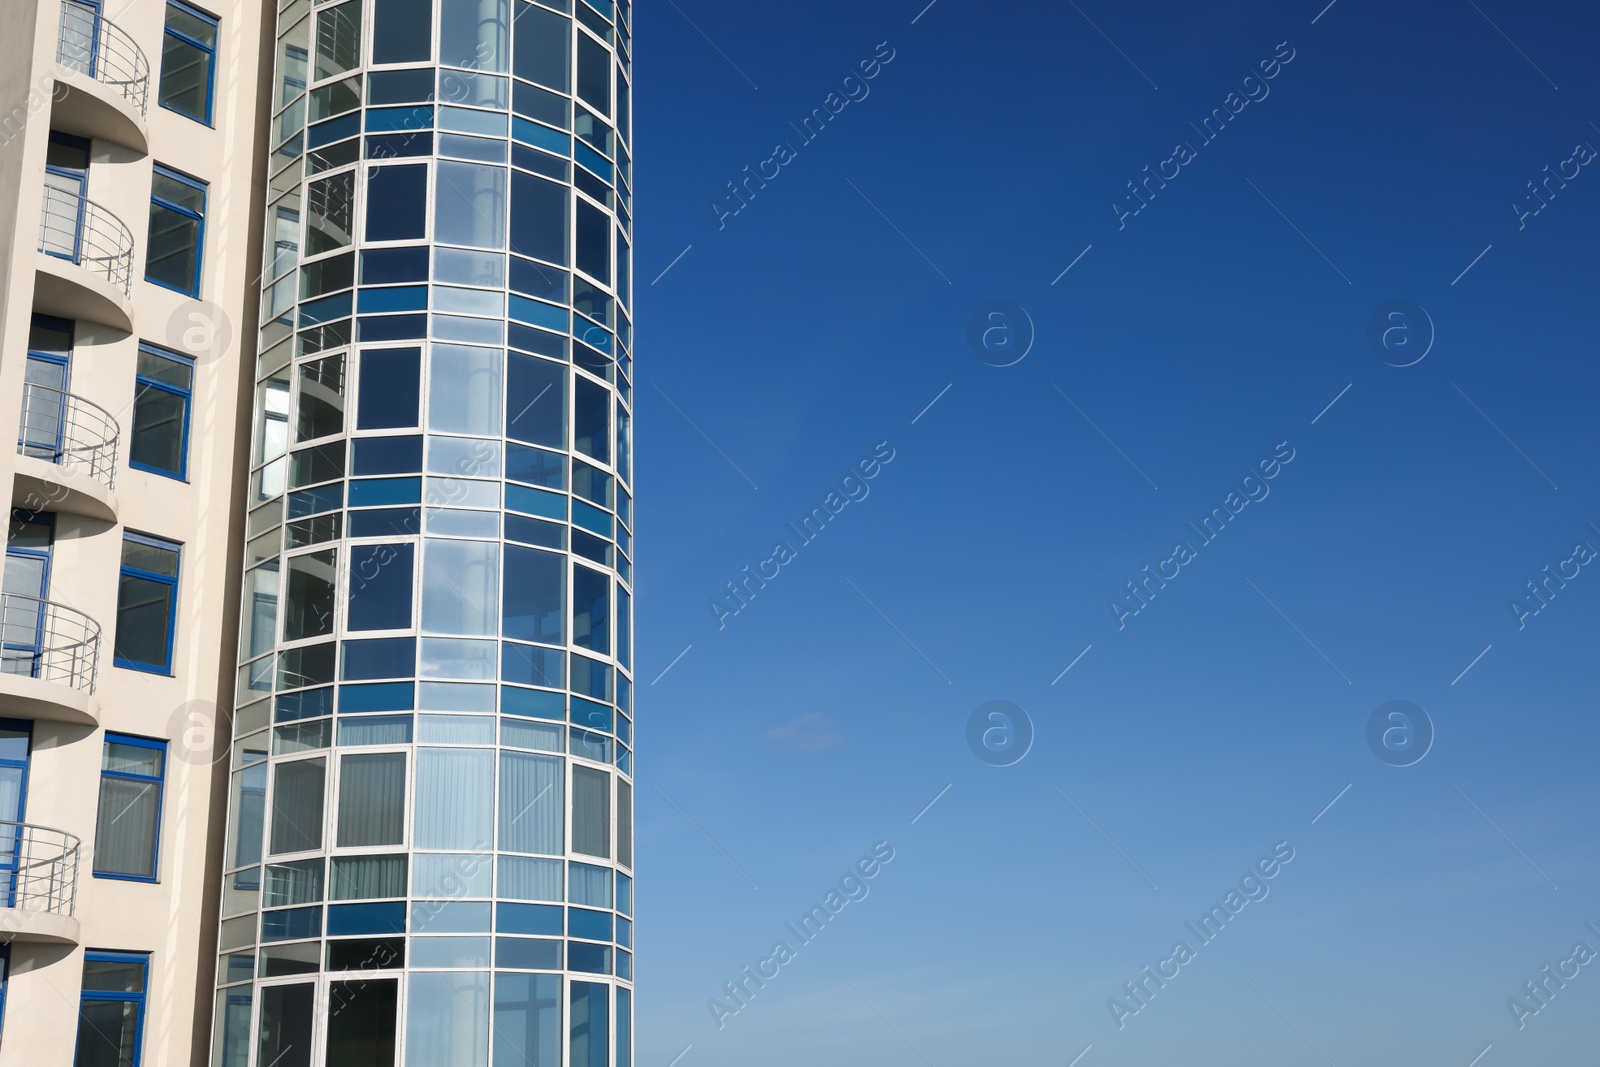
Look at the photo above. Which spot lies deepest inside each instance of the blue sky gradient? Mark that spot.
(780, 346)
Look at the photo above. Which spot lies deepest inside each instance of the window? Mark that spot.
(397, 203)
(177, 231)
(591, 812)
(372, 799)
(380, 591)
(402, 32)
(163, 387)
(527, 1018)
(111, 1009)
(188, 61)
(147, 595)
(590, 1024)
(127, 830)
(390, 384)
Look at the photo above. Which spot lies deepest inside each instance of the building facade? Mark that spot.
(429, 848)
(128, 145)
(316, 712)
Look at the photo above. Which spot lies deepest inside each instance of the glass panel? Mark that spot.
(108, 1033)
(591, 426)
(402, 32)
(464, 389)
(447, 876)
(527, 1020)
(530, 878)
(368, 877)
(372, 797)
(321, 399)
(308, 611)
(532, 803)
(543, 47)
(470, 205)
(390, 388)
(447, 1021)
(591, 610)
(286, 1018)
(591, 811)
(299, 882)
(475, 33)
(361, 1022)
(460, 586)
(338, 39)
(186, 69)
(454, 798)
(380, 587)
(297, 805)
(397, 203)
(590, 1024)
(125, 831)
(330, 212)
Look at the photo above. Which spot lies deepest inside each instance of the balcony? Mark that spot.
(85, 261)
(49, 656)
(102, 79)
(39, 880)
(66, 455)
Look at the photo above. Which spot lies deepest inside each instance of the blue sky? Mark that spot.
(1186, 344)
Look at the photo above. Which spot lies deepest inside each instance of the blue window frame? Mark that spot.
(147, 601)
(163, 390)
(176, 246)
(66, 180)
(127, 830)
(29, 542)
(111, 1008)
(16, 743)
(44, 390)
(188, 61)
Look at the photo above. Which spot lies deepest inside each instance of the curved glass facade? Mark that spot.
(429, 852)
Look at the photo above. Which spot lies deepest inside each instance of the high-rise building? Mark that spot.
(316, 713)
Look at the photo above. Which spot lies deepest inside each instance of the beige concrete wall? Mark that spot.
(172, 919)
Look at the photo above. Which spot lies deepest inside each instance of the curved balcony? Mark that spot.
(85, 261)
(38, 884)
(103, 79)
(49, 657)
(66, 455)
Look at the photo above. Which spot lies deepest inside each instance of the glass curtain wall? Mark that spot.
(429, 853)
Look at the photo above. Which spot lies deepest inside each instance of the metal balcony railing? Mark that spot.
(69, 431)
(92, 44)
(38, 868)
(49, 641)
(75, 228)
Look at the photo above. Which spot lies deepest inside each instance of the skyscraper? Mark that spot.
(396, 554)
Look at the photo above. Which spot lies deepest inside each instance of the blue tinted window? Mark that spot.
(163, 382)
(591, 419)
(528, 953)
(540, 47)
(385, 522)
(536, 401)
(589, 1016)
(385, 918)
(593, 242)
(387, 657)
(391, 381)
(402, 31)
(382, 266)
(527, 1014)
(594, 925)
(534, 594)
(387, 455)
(538, 218)
(529, 919)
(397, 200)
(591, 610)
(380, 586)
(291, 925)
